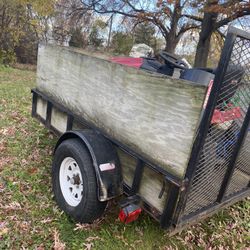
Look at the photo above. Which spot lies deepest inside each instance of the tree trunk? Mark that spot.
(203, 46)
(110, 32)
(171, 38)
(171, 44)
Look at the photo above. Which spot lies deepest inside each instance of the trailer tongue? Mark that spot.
(178, 147)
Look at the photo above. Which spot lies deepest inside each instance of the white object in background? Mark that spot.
(141, 50)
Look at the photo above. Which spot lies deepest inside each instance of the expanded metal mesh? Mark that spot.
(221, 140)
(241, 175)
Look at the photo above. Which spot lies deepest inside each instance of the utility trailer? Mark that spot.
(177, 147)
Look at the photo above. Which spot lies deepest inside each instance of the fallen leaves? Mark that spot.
(3, 228)
(35, 155)
(41, 247)
(122, 239)
(6, 160)
(4, 231)
(88, 246)
(9, 131)
(47, 220)
(2, 185)
(86, 227)
(90, 242)
(23, 226)
(11, 207)
(81, 227)
(33, 170)
(58, 244)
(3, 146)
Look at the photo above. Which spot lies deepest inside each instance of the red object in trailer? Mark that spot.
(225, 116)
(128, 61)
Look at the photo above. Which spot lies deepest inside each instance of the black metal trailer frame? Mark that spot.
(186, 204)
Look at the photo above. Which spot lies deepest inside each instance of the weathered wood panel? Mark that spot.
(78, 126)
(128, 165)
(41, 108)
(154, 115)
(59, 120)
(151, 188)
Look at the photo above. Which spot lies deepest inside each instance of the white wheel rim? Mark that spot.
(70, 179)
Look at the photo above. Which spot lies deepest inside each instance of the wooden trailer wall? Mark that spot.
(154, 115)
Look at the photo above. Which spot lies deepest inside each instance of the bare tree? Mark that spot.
(168, 16)
(216, 14)
(68, 19)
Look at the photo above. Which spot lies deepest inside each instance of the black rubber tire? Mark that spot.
(90, 208)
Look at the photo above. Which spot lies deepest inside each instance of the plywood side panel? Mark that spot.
(128, 165)
(59, 120)
(154, 115)
(41, 108)
(78, 126)
(151, 187)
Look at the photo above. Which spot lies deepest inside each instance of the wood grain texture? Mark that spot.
(59, 120)
(151, 188)
(41, 108)
(155, 115)
(128, 165)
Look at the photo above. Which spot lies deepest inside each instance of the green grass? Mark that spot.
(30, 219)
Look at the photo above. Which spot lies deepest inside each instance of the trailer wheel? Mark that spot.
(74, 182)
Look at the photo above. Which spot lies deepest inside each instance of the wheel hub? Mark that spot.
(76, 179)
(70, 179)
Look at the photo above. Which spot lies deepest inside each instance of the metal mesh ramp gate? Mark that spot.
(223, 166)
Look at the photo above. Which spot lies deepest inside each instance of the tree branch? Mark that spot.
(231, 18)
(133, 7)
(195, 18)
(161, 26)
(187, 28)
(220, 33)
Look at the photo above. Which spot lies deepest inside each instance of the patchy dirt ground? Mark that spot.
(30, 219)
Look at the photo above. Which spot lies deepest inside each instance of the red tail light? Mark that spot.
(129, 213)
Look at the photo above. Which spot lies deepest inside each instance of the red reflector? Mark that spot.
(129, 213)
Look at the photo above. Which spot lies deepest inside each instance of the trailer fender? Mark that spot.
(105, 161)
